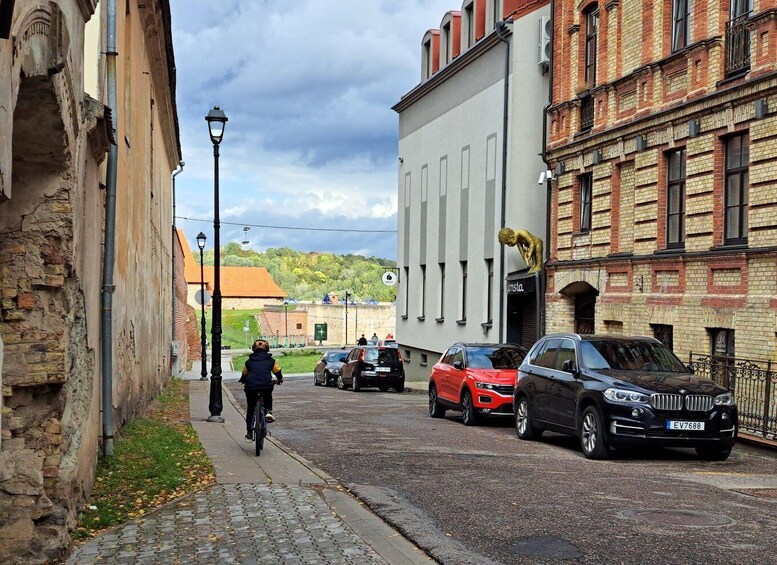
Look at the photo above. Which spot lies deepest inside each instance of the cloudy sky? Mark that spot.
(311, 140)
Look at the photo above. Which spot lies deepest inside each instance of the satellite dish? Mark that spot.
(198, 297)
(389, 278)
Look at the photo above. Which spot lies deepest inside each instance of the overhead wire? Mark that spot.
(295, 228)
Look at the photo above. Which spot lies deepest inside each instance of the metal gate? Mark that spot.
(754, 384)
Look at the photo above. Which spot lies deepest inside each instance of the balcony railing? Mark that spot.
(586, 113)
(737, 45)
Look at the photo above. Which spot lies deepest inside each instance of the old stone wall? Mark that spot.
(362, 319)
(181, 307)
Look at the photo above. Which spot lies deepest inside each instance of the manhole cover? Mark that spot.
(760, 492)
(676, 517)
(546, 547)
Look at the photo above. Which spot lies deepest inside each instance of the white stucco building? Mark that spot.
(458, 184)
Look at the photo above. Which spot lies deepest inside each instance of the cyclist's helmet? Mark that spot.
(260, 344)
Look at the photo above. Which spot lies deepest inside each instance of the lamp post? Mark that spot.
(204, 369)
(347, 295)
(286, 320)
(217, 122)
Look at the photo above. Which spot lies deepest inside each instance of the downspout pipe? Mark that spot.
(175, 174)
(544, 156)
(109, 253)
(500, 33)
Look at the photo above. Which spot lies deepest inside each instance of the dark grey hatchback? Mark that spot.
(615, 391)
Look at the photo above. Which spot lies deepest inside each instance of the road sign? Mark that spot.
(198, 297)
(320, 332)
(389, 278)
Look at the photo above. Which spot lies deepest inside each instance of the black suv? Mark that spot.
(370, 365)
(615, 391)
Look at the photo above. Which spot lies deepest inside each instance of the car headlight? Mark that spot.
(489, 386)
(621, 395)
(725, 399)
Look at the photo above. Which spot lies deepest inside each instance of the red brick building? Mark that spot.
(663, 138)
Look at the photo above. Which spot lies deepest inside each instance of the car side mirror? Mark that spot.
(568, 366)
(458, 365)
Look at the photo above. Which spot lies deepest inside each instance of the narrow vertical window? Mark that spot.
(428, 59)
(681, 18)
(736, 197)
(591, 32)
(675, 199)
(442, 293)
(469, 19)
(586, 194)
(490, 291)
(497, 5)
(446, 35)
(423, 293)
(463, 317)
(407, 291)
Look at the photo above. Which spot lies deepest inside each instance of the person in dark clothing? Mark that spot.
(257, 380)
(362, 340)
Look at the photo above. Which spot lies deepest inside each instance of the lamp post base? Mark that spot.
(216, 419)
(203, 378)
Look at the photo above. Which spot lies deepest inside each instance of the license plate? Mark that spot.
(685, 426)
(383, 369)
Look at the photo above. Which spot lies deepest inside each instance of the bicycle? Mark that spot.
(259, 425)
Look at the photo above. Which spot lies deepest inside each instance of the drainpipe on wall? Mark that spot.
(500, 28)
(175, 174)
(544, 156)
(109, 255)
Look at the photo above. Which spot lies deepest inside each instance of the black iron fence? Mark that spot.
(737, 45)
(754, 384)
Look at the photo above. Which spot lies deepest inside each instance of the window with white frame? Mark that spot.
(422, 303)
(442, 293)
(468, 24)
(681, 24)
(446, 42)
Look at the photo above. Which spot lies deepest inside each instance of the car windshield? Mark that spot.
(381, 355)
(630, 356)
(494, 357)
(334, 356)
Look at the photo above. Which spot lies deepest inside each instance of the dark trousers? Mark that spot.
(252, 394)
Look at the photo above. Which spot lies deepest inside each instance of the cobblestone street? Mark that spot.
(237, 523)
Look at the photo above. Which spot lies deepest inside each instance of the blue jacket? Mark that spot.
(259, 369)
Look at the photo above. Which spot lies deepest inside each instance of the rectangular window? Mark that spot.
(586, 194)
(497, 6)
(664, 334)
(675, 199)
(424, 360)
(736, 197)
(469, 22)
(591, 31)
(489, 290)
(442, 292)
(463, 317)
(681, 18)
(721, 342)
(423, 293)
(407, 291)
(446, 46)
(427, 59)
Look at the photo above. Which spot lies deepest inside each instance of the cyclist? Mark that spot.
(257, 379)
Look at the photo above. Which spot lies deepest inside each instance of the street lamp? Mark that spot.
(204, 369)
(347, 295)
(286, 319)
(217, 122)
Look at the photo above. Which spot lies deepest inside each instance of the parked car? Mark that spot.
(373, 366)
(615, 391)
(328, 368)
(477, 379)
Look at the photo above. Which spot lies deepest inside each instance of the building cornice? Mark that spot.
(459, 63)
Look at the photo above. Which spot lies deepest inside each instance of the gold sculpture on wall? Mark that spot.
(527, 243)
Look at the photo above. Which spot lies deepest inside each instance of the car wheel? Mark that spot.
(592, 434)
(315, 380)
(355, 386)
(340, 383)
(713, 453)
(383, 388)
(327, 379)
(524, 427)
(468, 413)
(435, 410)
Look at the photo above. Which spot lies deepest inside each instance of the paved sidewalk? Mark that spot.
(273, 508)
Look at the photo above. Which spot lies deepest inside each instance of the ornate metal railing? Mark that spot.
(737, 45)
(754, 384)
(586, 113)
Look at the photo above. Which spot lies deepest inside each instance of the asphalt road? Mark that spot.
(475, 495)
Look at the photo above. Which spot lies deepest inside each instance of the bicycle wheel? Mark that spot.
(259, 427)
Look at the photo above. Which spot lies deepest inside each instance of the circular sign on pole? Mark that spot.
(389, 278)
(198, 297)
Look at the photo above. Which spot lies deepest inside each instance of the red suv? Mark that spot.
(477, 379)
